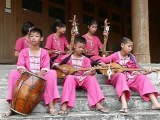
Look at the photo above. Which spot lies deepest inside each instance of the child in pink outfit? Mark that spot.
(130, 80)
(23, 42)
(57, 42)
(94, 44)
(80, 79)
(35, 60)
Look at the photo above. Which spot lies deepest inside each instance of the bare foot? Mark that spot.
(7, 114)
(103, 110)
(124, 110)
(155, 107)
(53, 111)
(62, 112)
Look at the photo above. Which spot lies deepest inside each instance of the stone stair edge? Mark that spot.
(91, 115)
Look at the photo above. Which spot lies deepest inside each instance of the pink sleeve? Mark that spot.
(110, 58)
(60, 59)
(19, 44)
(49, 42)
(45, 60)
(99, 42)
(86, 63)
(21, 63)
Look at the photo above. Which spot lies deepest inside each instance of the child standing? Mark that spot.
(85, 80)
(35, 60)
(133, 80)
(23, 42)
(57, 42)
(93, 42)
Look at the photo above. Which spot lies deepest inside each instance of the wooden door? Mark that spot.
(28, 13)
(11, 22)
(7, 30)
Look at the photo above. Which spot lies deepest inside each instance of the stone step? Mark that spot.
(154, 77)
(5, 69)
(91, 115)
(107, 90)
(135, 103)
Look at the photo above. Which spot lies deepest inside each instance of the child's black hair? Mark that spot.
(26, 28)
(125, 40)
(80, 39)
(57, 23)
(37, 30)
(91, 22)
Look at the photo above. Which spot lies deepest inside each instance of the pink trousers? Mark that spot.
(51, 90)
(90, 84)
(140, 84)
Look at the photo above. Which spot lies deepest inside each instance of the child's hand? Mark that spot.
(85, 51)
(22, 70)
(148, 70)
(136, 73)
(87, 72)
(39, 74)
(155, 69)
(74, 32)
(103, 64)
(64, 70)
(93, 71)
(88, 52)
(105, 33)
(57, 52)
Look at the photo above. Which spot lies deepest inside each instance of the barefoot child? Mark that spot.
(85, 80)
(136, 81)
(35, 60)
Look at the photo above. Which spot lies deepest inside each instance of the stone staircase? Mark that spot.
(138, 109)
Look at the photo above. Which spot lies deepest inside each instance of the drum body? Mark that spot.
(27, 93)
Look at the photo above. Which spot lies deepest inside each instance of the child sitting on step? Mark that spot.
(85, 80)
(57, 42)
(135, 80)
(93, 44)
(23, 42)
(37, 61)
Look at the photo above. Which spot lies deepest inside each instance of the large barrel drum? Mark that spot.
(27, 93)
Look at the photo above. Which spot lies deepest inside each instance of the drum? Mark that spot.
(27, 93)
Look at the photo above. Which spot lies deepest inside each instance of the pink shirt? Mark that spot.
(125, 62)
(54, 43)
(21, 43)
(25, 60)
(82, 62)
(34, 61)
(93, 44)
(85, 61)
